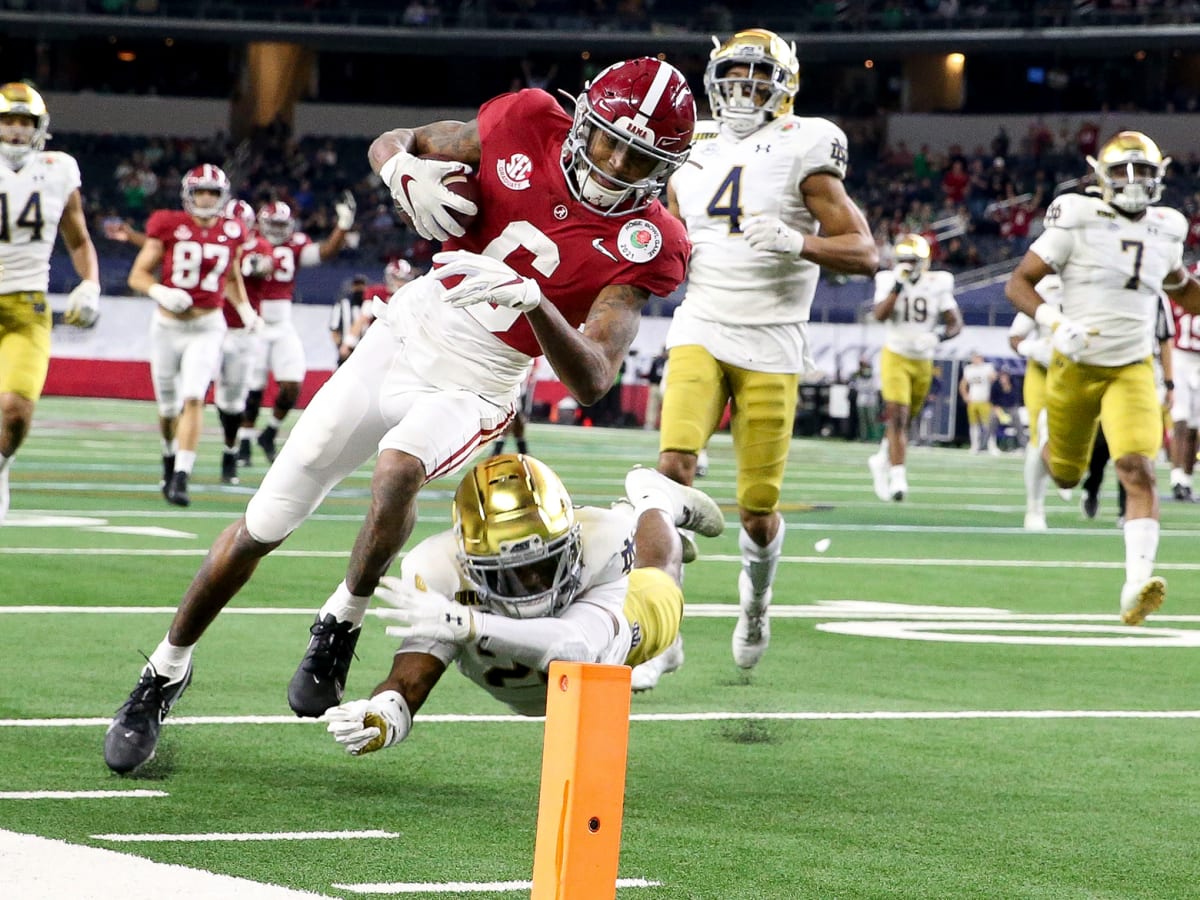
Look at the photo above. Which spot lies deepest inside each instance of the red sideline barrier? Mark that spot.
(130, 380)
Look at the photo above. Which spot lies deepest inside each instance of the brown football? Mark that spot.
(463, 185)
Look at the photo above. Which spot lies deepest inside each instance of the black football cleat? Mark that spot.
(1090, 504)
(320, 680)
(229, 467)
(168, 464)
(177, 490)
(266, 440)
(132, 737)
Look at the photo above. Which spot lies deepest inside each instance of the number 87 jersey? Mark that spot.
(736, 178)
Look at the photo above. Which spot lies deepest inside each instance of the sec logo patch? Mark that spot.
(639, 240)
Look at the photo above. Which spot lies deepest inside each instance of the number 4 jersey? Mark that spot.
(528, 218)
(1112, 270)
(32, 201)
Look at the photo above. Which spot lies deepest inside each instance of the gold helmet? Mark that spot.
(744, 103)
(518, 541)
(1130, 169)
(19, 99)
(912, 250)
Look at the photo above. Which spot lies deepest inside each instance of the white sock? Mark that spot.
(1185, 478)
(895, 473)
(974, 430)
(1037, 479)
(760, 563)
(4, 461)
(345, 606)
(169, 447)
(1141, 547)
(184, 461)
(246, 434)
(275, 423)
(171, 661)
(657, 496)
(1177, 476)
(883, 449)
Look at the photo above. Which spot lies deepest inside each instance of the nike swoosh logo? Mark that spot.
(404, 182)
(598, 244)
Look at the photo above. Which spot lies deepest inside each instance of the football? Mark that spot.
(463, 185)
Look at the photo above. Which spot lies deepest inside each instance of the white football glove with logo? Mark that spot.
(172, 299)
(905, 274)
(485, 280)
(83, 305)
(1071, 339)
(257, 265)
(364, 726)
(345, 210)
(425, 614)
(770, 234)
(1036, 349)
(416, 186)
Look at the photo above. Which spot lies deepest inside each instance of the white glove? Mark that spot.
(905, 274)
(172, 299)
(486, 280)
(83, 304)
(364, 726)
(1070, 338)
(257, 265)
(344, 211)
(1036, 349)
(426, 614)
(251, 321)
(770, 234)
(416, 186)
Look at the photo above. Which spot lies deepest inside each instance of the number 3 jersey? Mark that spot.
(1112, 270)
(735, 293)
(529, 219)
(32, 201)
(917, 312)
(602, 633)
(196, 258)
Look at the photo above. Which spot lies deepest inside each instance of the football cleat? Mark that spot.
(702, 464)
(1138, 600)
(266, 440)
(694, 510)
(177, 490)
(897, 485)
(1065, 494)
(645, 677)
(243, 454)
(132, 737)
(691, 552)
(1182, 492)
(752, 632)
(168, 465)
(229, 464)
(1089, 504)
(1035, 521)
(878, 464)
(320, 680)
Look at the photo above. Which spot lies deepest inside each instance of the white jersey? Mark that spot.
(607, 540)
(979, 378)
(750, 307)
(918, 311)
(34, 199)
(1112, 270)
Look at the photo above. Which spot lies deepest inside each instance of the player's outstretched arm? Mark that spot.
(844, 243)
(587, 361)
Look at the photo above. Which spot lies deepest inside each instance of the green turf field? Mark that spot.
(949, 707)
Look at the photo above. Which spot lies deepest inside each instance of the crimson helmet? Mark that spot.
(637, 116)
(206, 177)
(397, 273)
(240, 211)
(275, 222)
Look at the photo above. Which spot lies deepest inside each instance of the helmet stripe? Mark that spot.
(658, 87)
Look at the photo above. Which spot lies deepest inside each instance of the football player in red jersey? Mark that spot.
(241, 346)
(568, 242)
(199, 252)
(282, 350)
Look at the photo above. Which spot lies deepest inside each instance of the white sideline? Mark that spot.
(79, 795)
(465, 887)
(243, 836)
(43, 869)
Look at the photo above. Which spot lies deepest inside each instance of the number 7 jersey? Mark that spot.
(1112, 270)
(32, 201)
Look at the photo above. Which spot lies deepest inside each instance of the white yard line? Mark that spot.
(465, 887)
(79, 795)
(247, 836)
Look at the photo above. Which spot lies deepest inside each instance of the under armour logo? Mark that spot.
(838, 154)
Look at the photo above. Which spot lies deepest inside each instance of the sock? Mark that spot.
(1141, 547)
(522, 447)
(184, 460)
(4, 461)
(1036, 481)
(657, 497)
(1176, 476)
(883, 450)
(275, 424)
(169, 448)
(246, 434)
(498, 447)
(760, 563)
(346, 607)
(171, 661)
(974, 430)
(895, 473)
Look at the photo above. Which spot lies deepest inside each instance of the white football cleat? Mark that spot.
(1035, 521)
(692, 508)
(702, 464)
(752, 632)
(1138, 600)
(1065, 494)
(688, 542)
(897, 484)
(645, 676)
(879, 465)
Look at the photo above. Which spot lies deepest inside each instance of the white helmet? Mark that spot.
(19, 99)
(1130, 169)
(743, 103)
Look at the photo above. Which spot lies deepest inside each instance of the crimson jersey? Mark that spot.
(281, 284)
(528, 218)
(196, 258)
